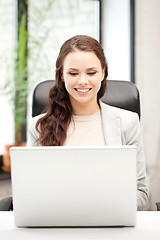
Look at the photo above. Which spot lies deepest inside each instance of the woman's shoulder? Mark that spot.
(115, 112)
(34, 120)
(33, 134)
(129, 120)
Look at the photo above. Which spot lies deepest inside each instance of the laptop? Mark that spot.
(74, 186)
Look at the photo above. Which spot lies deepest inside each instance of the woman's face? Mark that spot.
(82, 76)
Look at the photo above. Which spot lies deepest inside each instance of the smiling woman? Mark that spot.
(78, 57)
(75, 114)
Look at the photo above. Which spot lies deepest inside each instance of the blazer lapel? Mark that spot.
(111, 126)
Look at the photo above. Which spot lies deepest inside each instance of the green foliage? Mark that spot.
(21, 83)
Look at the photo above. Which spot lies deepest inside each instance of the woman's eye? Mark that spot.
(91, 73)
(73, 74)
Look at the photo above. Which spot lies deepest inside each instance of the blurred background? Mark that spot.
(31, 33)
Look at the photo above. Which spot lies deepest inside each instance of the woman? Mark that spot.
(76, 116)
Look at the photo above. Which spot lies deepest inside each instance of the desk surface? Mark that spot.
(147, 228)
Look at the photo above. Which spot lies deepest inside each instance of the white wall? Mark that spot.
(116, 37)
(147, 76)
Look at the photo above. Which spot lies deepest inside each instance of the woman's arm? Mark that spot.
(132, 135)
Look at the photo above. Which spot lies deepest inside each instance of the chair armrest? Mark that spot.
(158, 206)
(6, 204)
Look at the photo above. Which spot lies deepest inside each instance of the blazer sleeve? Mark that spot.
(132, 136)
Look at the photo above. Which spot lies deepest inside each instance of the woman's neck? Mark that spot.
(82, 109)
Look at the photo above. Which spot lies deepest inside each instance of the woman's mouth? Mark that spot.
(82, 90)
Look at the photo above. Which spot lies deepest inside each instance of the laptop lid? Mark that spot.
(74, 186)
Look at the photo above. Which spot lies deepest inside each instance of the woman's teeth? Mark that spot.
(83, 90)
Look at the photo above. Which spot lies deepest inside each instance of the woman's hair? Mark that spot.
(52, 127)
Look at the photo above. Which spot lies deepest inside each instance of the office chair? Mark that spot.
(120, 94)
(158, 206)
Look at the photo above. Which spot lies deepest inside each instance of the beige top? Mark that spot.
(85, 131)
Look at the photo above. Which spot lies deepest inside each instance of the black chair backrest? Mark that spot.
(122, 94)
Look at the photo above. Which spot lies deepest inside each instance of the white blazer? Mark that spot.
(120, 127)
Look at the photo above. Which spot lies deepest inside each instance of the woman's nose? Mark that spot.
(83, 80)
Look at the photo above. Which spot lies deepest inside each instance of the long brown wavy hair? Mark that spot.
(52, 127)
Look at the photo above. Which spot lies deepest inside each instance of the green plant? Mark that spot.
(20, 81)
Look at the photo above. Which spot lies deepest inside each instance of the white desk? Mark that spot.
(147, 228)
